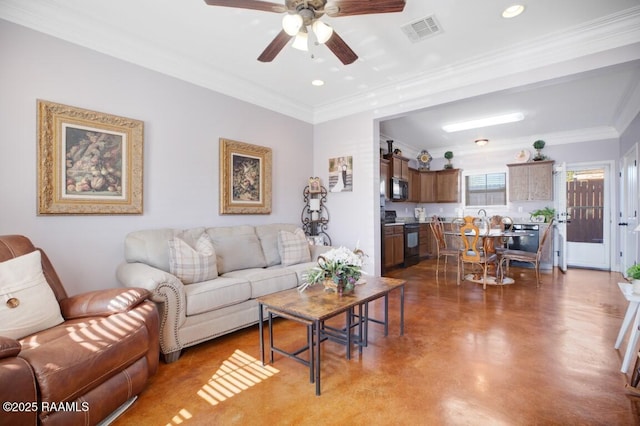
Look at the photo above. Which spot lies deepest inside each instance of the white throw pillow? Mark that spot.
(28, 303)
(192, 265)
(293, 247)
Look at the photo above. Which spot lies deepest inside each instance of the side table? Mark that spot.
(632, 313)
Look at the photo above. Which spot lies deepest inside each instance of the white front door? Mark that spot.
(588, 199)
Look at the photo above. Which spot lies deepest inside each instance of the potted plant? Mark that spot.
(448, 155)
(339, 269)
(538, 145)
(634, 273)
(548, 213)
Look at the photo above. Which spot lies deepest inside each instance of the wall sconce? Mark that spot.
(481, 142)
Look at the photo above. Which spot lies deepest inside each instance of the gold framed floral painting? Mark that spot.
(89, 162)
(245, 178)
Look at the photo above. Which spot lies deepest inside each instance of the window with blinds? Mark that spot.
(486, 190)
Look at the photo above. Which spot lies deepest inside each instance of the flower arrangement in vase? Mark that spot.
(339, 269)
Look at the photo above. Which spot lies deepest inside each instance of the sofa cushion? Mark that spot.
(28, 304)
(149, 246)
(266, 281)
(70, 359)
(215, 294)
(237, 247)
(293, 247)
(268, 235)
(300, 269)
(192, 265)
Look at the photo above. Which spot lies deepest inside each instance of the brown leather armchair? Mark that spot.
(84, 369)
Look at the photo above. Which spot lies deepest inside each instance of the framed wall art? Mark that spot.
(88, 162)
(314, 185)
(341, 174)
(245, 178)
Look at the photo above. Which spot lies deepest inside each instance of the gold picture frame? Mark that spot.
(315, 187)
(245, 178)
(89, 162)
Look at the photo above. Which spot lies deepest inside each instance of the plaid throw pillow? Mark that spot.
(293, 247)
(192, 265)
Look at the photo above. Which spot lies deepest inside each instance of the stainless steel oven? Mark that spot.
(411, 243)
(528, 239)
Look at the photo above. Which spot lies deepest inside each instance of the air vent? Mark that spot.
(422, 29)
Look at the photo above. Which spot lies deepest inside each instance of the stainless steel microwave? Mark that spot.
(399, 189)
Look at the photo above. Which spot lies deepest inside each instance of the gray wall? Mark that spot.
(182, 125)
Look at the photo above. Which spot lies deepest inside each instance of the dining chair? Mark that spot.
(473, 251)
(508, 255)
(442, 251)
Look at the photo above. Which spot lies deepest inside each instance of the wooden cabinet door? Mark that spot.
(398, 247)
(428, 187)
(425, 240)
(448, 186)
(541, 181)
(414, 186)
(518, 183)
(388, 247)
(404, 170)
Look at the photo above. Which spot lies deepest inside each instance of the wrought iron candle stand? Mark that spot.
(315, 215)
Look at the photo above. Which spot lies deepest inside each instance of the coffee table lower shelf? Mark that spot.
(303, 308)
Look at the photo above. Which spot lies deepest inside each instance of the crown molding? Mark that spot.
(444, 84)
(490, 71)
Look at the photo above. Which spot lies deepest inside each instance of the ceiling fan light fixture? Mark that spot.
(481, 142)
(322, 31)
(483, 122)
(291, 23)
(301, 42)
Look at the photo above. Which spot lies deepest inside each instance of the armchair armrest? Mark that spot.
(9, 347)
(102, 302)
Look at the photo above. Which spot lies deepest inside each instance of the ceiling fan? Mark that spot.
(301, 14)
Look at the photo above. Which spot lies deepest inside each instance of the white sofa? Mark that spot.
(247, 263)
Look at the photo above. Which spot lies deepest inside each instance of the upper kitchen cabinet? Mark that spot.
(531, 181)
(448, 186)
(441, 186)
(414, 186)
(428, 187)
(399, 166)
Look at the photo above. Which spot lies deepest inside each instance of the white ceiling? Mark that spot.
(571, 66)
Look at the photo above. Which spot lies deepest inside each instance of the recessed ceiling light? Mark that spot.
(513, 11)
(483, 122)
(317, 83)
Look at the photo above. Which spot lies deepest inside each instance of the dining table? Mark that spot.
(492, 238)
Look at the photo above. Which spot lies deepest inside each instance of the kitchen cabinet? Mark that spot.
(440, 186)
(428, 187)
(414, 186)
(384, 178)
(427, 241)
(399, 166)
(531, 181)
(448, 186)
(393, 245)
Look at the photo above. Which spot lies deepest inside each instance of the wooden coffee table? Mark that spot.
(314, 306)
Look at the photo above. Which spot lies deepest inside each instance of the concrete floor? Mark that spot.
(511, 355)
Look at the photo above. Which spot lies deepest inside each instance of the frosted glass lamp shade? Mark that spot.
(301, 41)
(322, 31)
(291, 24)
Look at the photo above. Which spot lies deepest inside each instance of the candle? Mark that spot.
(314, 204)
(314, 215)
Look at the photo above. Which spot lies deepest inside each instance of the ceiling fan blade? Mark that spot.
(339, 48)
(249, 4)
(275, 47)
(362, 7)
